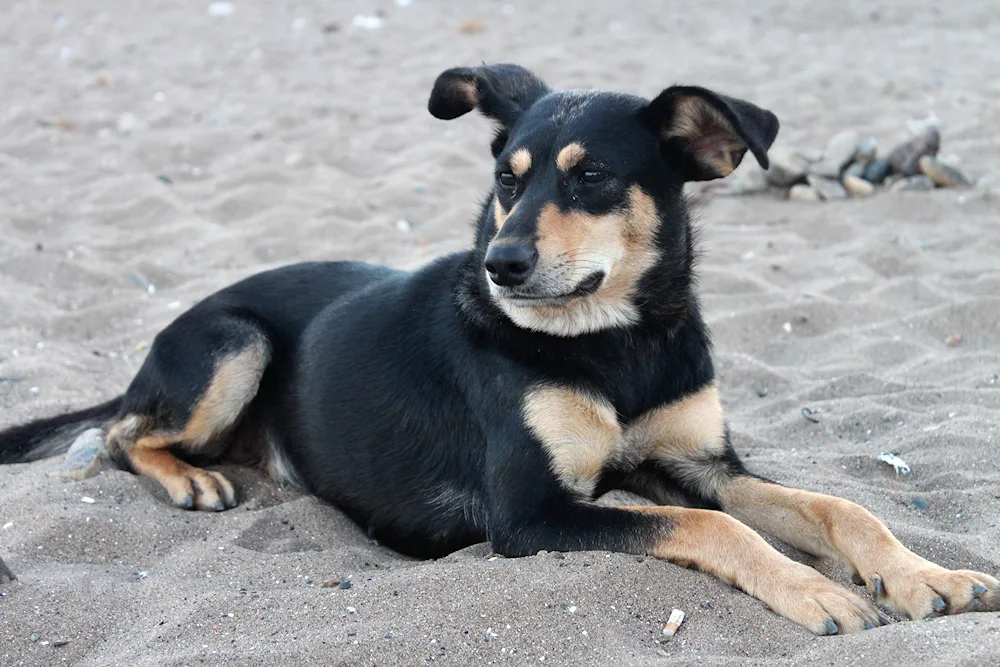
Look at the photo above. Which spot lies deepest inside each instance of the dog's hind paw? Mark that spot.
(197, 489)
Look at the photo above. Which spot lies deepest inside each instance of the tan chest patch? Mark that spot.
(581, 434)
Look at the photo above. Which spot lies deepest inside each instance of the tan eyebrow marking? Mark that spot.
(570, 156)
(520, 162)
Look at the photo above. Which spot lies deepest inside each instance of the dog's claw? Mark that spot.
(877, 585)
(978, 590)
(938, 604)
(831, 627)
(219, 507)
(189, 502)
(869, 625)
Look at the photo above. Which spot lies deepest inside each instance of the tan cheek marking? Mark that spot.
(580, 433)
(520, 162)
(499, 215)
(570, 156)
(561, 234)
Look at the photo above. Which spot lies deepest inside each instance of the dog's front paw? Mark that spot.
(918, 588)
(815, 602)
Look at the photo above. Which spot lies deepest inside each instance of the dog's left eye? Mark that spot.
(507, 179)
(592, 177)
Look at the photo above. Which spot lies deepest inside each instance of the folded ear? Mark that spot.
(709, 133)
(501, 92)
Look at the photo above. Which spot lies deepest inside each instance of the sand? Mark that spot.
(151, 153)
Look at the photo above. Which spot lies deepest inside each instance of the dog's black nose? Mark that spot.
(510, 265)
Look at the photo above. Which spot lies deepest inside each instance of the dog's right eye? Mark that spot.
(507, 179)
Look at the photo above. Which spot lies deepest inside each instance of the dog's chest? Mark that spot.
(582, 436)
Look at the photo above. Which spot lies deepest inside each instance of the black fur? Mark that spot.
(398, 396)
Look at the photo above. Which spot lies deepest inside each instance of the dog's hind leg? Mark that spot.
(190, 394)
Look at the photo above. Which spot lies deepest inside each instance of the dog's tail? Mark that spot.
(53, 435)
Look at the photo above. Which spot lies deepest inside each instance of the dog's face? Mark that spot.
(588, 185)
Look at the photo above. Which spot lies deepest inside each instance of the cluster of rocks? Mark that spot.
(850, 166)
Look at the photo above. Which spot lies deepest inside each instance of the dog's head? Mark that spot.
(588, 202)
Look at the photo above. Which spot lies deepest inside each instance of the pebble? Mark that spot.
(913, 184)
(84, 457)
(866, 149)
(802, 192)
(221, 9)
(943, 174)
(905, 157)
(6, 576)
(876, 171)
(472, 27)
(919, 503)
(856, 169)
(839, 151)
(827, 188)
(786, 167)
(368, 22)
(344, 585)
(858, 187)
(953, 341)
(126, 123)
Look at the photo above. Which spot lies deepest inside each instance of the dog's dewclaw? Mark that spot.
(83, 459)
(673, 623)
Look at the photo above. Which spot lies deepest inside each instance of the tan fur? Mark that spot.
(837, 528)
(570, 155)
(580, 433)
(520, 162)
(500, 215)
(573, 245)
(233, 385)
(719, 544)
(711, 136)
(465, 90)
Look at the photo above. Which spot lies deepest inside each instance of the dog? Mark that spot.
(495, 393)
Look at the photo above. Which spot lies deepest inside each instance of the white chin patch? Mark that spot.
(579, 316)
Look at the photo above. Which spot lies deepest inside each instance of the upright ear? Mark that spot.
(500, 92)
(709, 133)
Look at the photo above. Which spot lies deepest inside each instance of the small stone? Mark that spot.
(105, 79)
(839, 151)
(84, 457)
(221, 9)
(802, 192)
(943, 174)
(858, 187)
(6, 576)
(919, 503)
(126, 123)
(827, 188)
(866, 149)
(786, 167)
(471, 27)
(905, 157)
(876, 171)
(856, 169)
(953, 341)
(344, 585)
(59, 642)
(35, 637)
(913, 184)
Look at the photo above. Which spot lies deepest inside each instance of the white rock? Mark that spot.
(858, 187)
(221, 9)
(802, 192)
(827, 188)
(839, 151)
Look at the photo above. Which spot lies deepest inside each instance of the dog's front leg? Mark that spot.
(837, 528)
(532, 509)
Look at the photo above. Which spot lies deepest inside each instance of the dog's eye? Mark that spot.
(507, 179)
(592, 176)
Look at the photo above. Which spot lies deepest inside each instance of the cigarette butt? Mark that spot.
(673, 623)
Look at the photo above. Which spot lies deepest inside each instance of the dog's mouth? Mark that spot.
(585, 287)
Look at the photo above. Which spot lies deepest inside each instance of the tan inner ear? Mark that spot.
(713, 140)
(465, 90)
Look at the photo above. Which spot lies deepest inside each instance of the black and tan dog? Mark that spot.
(496, 392)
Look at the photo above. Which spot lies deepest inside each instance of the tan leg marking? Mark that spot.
(580, 433)
(720, 545)
(520, 162)
(689, 437)
(233, 386)
(570, 155)
(837, 528)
